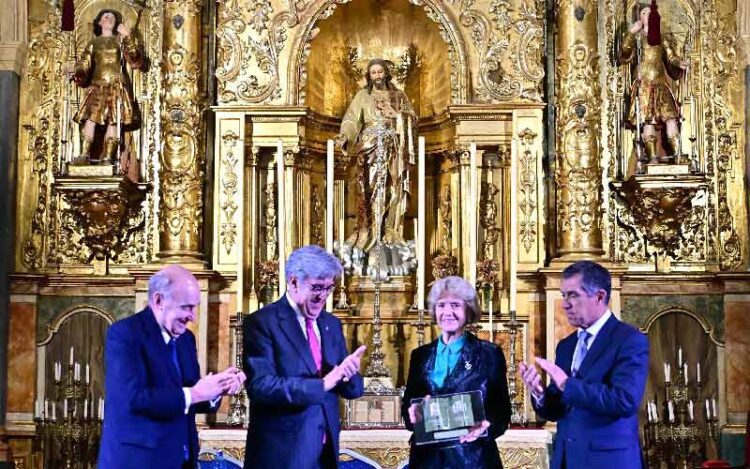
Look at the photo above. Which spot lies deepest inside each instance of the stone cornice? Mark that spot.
(12, 55)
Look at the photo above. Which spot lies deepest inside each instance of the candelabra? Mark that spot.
(420, 324)
(238, 415)
(70, 440)
(674, 437)
(517, 416)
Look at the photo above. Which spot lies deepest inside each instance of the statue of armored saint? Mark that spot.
(653, 104)
(379, 127)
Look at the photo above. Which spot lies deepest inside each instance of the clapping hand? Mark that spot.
(344, 370)
(233, 380)
(559, 377)
(415, 410)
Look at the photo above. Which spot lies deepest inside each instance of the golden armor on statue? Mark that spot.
(654, 111)
(108, 100)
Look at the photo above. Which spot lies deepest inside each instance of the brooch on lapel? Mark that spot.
(467, 365)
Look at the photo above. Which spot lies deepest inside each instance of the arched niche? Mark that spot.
(83, 327)
(675, 327)
(338, 41)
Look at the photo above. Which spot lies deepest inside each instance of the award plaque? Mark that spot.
(447, 417)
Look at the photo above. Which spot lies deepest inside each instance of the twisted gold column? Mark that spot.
(182, 156)
(578, 173)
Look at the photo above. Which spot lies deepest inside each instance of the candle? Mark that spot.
(421, 223)
(708, 411)
(54, 412)
(513, 280)
(329, 207)
(88, 374)
(670, 408)
(65, 408)
(46, 407)
(713, 408)
(71, 355)
(473, 207)
(656, 412)
(85, 408)
(280, 212)
(685, 372)
(690, 410)
(698, 373)
(679, 356)
(37, 408)
(101, 413)
(667, 372)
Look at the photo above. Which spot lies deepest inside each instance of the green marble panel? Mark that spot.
(733, 448)
(50, 307)
(636, 310)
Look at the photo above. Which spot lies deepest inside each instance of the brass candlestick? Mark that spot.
(238, 415)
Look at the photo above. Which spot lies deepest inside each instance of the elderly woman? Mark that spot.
(458, 362)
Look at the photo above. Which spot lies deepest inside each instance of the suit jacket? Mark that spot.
(481, 367)
(145, 424)
(289, 409)
(597, 412)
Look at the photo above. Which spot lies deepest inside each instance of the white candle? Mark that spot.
(280, 213)
(88, 374)
(65, 408)
(679, 356)
(71, 355)
(46, 407)
(698, 372)
(473, 207)
(54, 412)
(101, 414)
(513, 226)
(713, 408)
(421, 223)
(670, 408)
(85, 408)
(656, 412)
(685, 372)
(667, 372)
(690, 410)
(329, 207)
(649, 412)
(37, 408)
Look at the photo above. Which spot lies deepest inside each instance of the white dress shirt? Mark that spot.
(302, 320)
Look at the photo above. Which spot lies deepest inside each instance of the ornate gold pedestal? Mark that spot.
(395, 296)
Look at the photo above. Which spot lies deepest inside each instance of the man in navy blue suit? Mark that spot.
(297, 366)
(152, 380)
(598, 378)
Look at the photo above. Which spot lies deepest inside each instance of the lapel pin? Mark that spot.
(467, 365)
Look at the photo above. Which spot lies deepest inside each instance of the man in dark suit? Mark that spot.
(152, 380)
(297, 366)
(598, 378)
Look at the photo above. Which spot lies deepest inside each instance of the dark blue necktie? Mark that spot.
(173, 350)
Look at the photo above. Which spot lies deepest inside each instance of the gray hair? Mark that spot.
(459, 288)
(312, 261)
(594, 277)
(160, 282)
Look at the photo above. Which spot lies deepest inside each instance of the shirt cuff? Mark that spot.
(188, 400)
(538, 399)
(214, 402)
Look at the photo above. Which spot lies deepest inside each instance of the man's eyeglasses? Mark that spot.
(317, 288)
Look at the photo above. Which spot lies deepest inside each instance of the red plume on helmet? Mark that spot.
(654, 25)
(68, 16)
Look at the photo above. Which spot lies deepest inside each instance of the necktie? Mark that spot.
(176, 362)
(312, 341)
(580, 353)
(173, 351)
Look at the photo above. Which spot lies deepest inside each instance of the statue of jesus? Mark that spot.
(380, 128)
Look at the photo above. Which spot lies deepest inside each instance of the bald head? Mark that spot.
(174, 297)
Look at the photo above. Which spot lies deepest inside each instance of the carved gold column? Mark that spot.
(578, 174)
(182, 155)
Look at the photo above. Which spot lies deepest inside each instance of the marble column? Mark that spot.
(13, 38)
(578, 174)
(182, 156)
